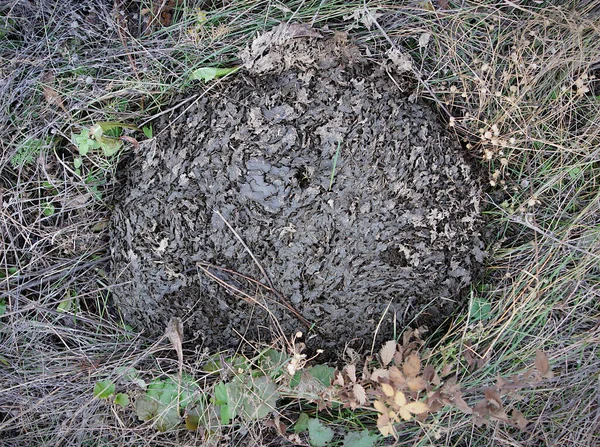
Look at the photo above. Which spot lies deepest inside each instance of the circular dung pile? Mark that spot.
(354, 200)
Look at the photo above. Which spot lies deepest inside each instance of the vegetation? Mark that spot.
(81, 83)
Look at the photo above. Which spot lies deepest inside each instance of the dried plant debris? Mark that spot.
(306, 193)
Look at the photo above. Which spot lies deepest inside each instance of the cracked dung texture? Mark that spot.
(399, 224)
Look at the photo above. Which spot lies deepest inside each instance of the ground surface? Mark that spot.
(396, 223)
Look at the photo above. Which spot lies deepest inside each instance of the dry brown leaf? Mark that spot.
(460, 403)
(412, 365)
(417, 407)
(50, 94)
(387, 389)
(542, 364)
(351, 372)
(174, 333)
(387, 352)
(406, 338)
(447, 369)
(431, 376)
(379, 374)
(468, 354)
(399, 356)
(131, 140)
(494, 400)
(416, 383)
(339, 379)
(434, 401)
(359, 394)
(397, 377)
(519, 419)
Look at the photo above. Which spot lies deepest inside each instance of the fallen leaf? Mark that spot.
(416, 383)
(174, 333)
(542, 364)
(351, 372)
(412, 365)
(494, 400)
(430, 375)
(209, 73)
(359, 393)
(387, 352)
(50, 94)
(131, 140)
(387, 389)
(397, 377)
(379, 374)
(417, 407)
(519, 419)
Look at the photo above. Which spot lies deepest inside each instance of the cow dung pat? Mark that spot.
(359, 207)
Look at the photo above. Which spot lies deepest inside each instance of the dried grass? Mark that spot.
(518, 83)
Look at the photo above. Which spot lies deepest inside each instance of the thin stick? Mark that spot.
(265, 275)
(335, 159)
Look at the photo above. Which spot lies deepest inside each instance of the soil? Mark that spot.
(357, 210)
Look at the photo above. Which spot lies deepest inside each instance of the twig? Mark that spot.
(266, 276)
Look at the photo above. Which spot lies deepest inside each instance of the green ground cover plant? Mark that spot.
(81, 83)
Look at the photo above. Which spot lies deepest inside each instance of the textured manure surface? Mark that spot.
(396, 228)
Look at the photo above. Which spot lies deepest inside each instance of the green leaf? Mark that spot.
(302, 423)
(110, 146)
(147, 131)
(48, 209)
(224, 414)
(319, 434)
(122, 399)
(220, 394)
(103, 389)
(65, 305)
(83, 142)
(77, 162)
(209, 73)
(323, 373)
(221, 400)
(96, 131)
(272, 360)
(27, 152)
(146, 407)
(574, 172)
(360, 439)
(261, 399)
(480, 309)
(295, 381)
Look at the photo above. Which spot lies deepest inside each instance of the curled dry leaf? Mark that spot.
(494, 400)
